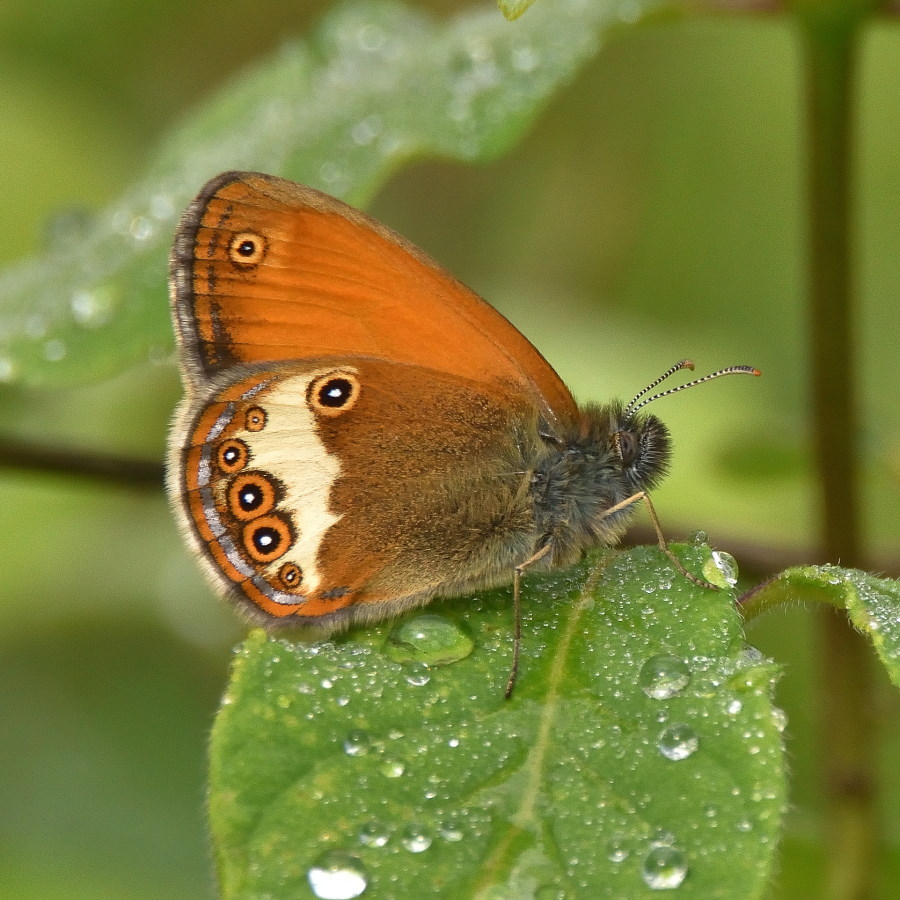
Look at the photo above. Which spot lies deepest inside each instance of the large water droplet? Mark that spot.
(721, 568)
(678, 741)
(337, 876)
(663, 676)
(664, 868)
(430, 639)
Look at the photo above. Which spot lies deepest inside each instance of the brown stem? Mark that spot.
(114, 470)
(830, 36)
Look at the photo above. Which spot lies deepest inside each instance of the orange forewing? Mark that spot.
(333, 282)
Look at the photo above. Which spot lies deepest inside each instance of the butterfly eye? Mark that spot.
(334, 393)
(267, 538)
(250, 495)
(247, 249)
(628, 445)
(232, 456)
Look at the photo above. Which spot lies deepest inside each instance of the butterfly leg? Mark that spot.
(517, 615)
(660, 538)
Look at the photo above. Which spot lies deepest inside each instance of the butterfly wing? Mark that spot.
(334, 490)
(264, 269)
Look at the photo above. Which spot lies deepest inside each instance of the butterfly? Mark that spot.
(361, 432)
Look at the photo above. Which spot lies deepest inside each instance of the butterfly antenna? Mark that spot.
(683, 364)
(634, 406)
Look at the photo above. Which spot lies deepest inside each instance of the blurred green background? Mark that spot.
(654, 212)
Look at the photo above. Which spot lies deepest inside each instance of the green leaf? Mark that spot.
(640, 748)
(376, 84)
(872, 603)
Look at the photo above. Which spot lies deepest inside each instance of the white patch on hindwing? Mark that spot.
(288, 448)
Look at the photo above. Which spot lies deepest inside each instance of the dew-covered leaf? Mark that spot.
(640, 751)
(374, 85)
(872, 603)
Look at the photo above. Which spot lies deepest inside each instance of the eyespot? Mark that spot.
(247, 249)
(333, 394)
(251, 495)
(290, 575)
(232, 456)
(255, 419)
(267, 538)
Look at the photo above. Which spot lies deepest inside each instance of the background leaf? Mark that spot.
(640, 749)
(872, 603)
(334, 112)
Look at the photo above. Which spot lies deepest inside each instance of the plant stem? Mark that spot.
(831, 31)
(116, 471)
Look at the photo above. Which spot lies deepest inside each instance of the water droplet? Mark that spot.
(779, 718)
(141, 229)
(374, 834)
(698, 538)
(337, 876)
(744, 825)
(617, 851)
(392, 768)
(430, 639)
(417, 674)
(357, 743)
(416, 838)
(664, 868)
(663, 676)
(450, 830)
(677, 741)
(721, 567)
(734, 707)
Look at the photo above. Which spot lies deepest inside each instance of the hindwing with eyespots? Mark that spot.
(258, 482)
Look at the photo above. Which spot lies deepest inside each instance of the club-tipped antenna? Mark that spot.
(634, 406)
